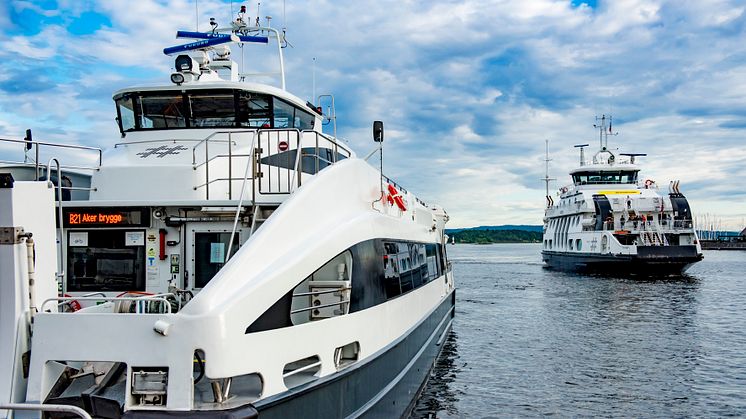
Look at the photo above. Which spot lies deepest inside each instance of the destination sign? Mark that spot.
(106, 217)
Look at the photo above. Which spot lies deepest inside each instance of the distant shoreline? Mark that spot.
(489, 236)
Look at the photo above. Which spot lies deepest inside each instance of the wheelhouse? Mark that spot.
(147, 110)
(604, 177)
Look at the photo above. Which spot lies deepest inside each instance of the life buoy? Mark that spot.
(396, 198)
(73, 304)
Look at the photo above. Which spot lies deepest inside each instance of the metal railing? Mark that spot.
(36, 145)
(139, 308)
(340, 303)
(58, 408)
(403, 190)
(279, 177)
(207, 159)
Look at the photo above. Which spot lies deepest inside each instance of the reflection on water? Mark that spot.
(528, 341)
(441, 395)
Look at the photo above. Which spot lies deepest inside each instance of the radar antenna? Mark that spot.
(582, 153)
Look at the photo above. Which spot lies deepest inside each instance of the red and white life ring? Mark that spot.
(396, 198)
(73, 304)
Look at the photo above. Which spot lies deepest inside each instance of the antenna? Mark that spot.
(313, 81)
(196, 15)
(603, 133)
(547, 179)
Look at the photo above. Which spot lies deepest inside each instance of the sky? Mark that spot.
(468, 90)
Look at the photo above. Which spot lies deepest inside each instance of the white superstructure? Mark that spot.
(609, 220)
(225, 257)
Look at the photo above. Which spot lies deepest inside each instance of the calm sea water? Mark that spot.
(527, 341)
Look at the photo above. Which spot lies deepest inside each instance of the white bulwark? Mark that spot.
(224, 258)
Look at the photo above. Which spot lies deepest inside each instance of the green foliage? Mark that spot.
(496, 236)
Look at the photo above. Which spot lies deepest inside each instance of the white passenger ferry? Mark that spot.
(610, 221)
(226, 258)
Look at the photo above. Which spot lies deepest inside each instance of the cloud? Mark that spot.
(468, 90)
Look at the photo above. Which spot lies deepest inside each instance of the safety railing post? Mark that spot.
(230, 166)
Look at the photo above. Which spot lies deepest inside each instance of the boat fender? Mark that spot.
(396, 198)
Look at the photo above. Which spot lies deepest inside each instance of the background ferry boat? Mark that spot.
(610, 221)
(226, 258)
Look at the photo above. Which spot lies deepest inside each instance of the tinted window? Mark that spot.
(284, 115)
(584, 178)
(253, 110)
(162, 111)
(126, 113)
(303, 120)
(105, 263)
(381, 270)
(209, 255)
(212, 110)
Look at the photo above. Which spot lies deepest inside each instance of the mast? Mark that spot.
(547, 179)
(603, 133)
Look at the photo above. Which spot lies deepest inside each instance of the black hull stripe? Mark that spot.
(406, 369)
(384, 385)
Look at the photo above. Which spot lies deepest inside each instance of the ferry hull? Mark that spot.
(385, 386)
(649, 261)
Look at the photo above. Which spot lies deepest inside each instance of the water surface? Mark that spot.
(528, 341)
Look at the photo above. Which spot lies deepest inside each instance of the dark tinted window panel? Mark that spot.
(104, 262)
(367, 275)
(209, 255)
(284, 115)
(254, 110)
(303, 120)
(161, 111)
(212, 109)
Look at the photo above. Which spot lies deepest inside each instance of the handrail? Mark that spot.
(219, 156)
(301, 310)
(240, 199)
(301, 369)
(163, 140)
(61, 408)
(209, 137)
(306, 294)
(79, 147)
(60, 263)
(147, 298)
(36, 145)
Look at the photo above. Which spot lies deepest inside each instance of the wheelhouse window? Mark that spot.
(221, 108)
(254, 110)
(126, 113)
(161, 111)
(605, 177)
(212, 110)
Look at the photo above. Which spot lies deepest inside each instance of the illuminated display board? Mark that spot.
(106, 217)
